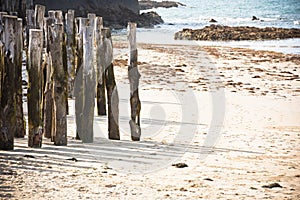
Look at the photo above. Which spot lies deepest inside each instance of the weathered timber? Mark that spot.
(111, 88)
(8, 98)
(20, 125)
(48, 98)
(29, 25)
(70, 43)
(100, 80)
(78, 84)
(59, 132)
(88, 86)
(134, 76)
(39, 13)
(34, 93)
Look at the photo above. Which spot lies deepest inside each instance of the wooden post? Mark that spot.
(70, 34)
(8, 98)
(48, 99)
(34, 94)
(56, 35)
(101, 99)
(134, 76)
(88, 86)
(20, 126)
(39, 14)
(78, 85)
(29, 25)
(111, 88)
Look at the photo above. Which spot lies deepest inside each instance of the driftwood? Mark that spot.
(34, 94)
(111, 88)
(134, 76)
(59, 70)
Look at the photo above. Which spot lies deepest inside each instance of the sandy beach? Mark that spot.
(231, 115)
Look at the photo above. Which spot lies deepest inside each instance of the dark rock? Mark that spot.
(208, 179)
(145, 5)
(254, 18)
(149, 19)
(272, 185)
(116, 14)
(29, 156)
(73, 159)
(180, 165)
(213, 21)
(225, 33)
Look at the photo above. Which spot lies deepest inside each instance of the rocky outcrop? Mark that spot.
(116, 14)
(145, 5)
(149, 19)
(225, 33)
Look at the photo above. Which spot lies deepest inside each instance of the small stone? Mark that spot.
(272, 185)
(73, 159)
(110, 185)
(208, 179)
(180, 165)
(29, 156)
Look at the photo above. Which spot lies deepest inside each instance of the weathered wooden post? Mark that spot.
(29, 25)
(8, 97)
(100, 80)
(39, 14)
(48, 101)
(78, 84)
(20, 126)
(111, 88)
(59, 70)
(70, 34)
(134, 76)
(34, 94)
(89, 86)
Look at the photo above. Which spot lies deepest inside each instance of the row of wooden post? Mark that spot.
(69, 57)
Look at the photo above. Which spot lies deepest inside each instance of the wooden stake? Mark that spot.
(101, 99)
(8, 98)
(48, 98)
(88, 86)
(34, 94)
(70, 34)
(29, 25)
(20, 126)
(78, 85)
(112, 92)
(39, 14)
(134, 76)
(56, 35)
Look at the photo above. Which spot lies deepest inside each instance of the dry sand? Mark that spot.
(253, 140)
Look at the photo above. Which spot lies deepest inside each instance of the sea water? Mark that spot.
(197, 14)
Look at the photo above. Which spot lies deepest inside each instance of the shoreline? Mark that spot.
(163, 36)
